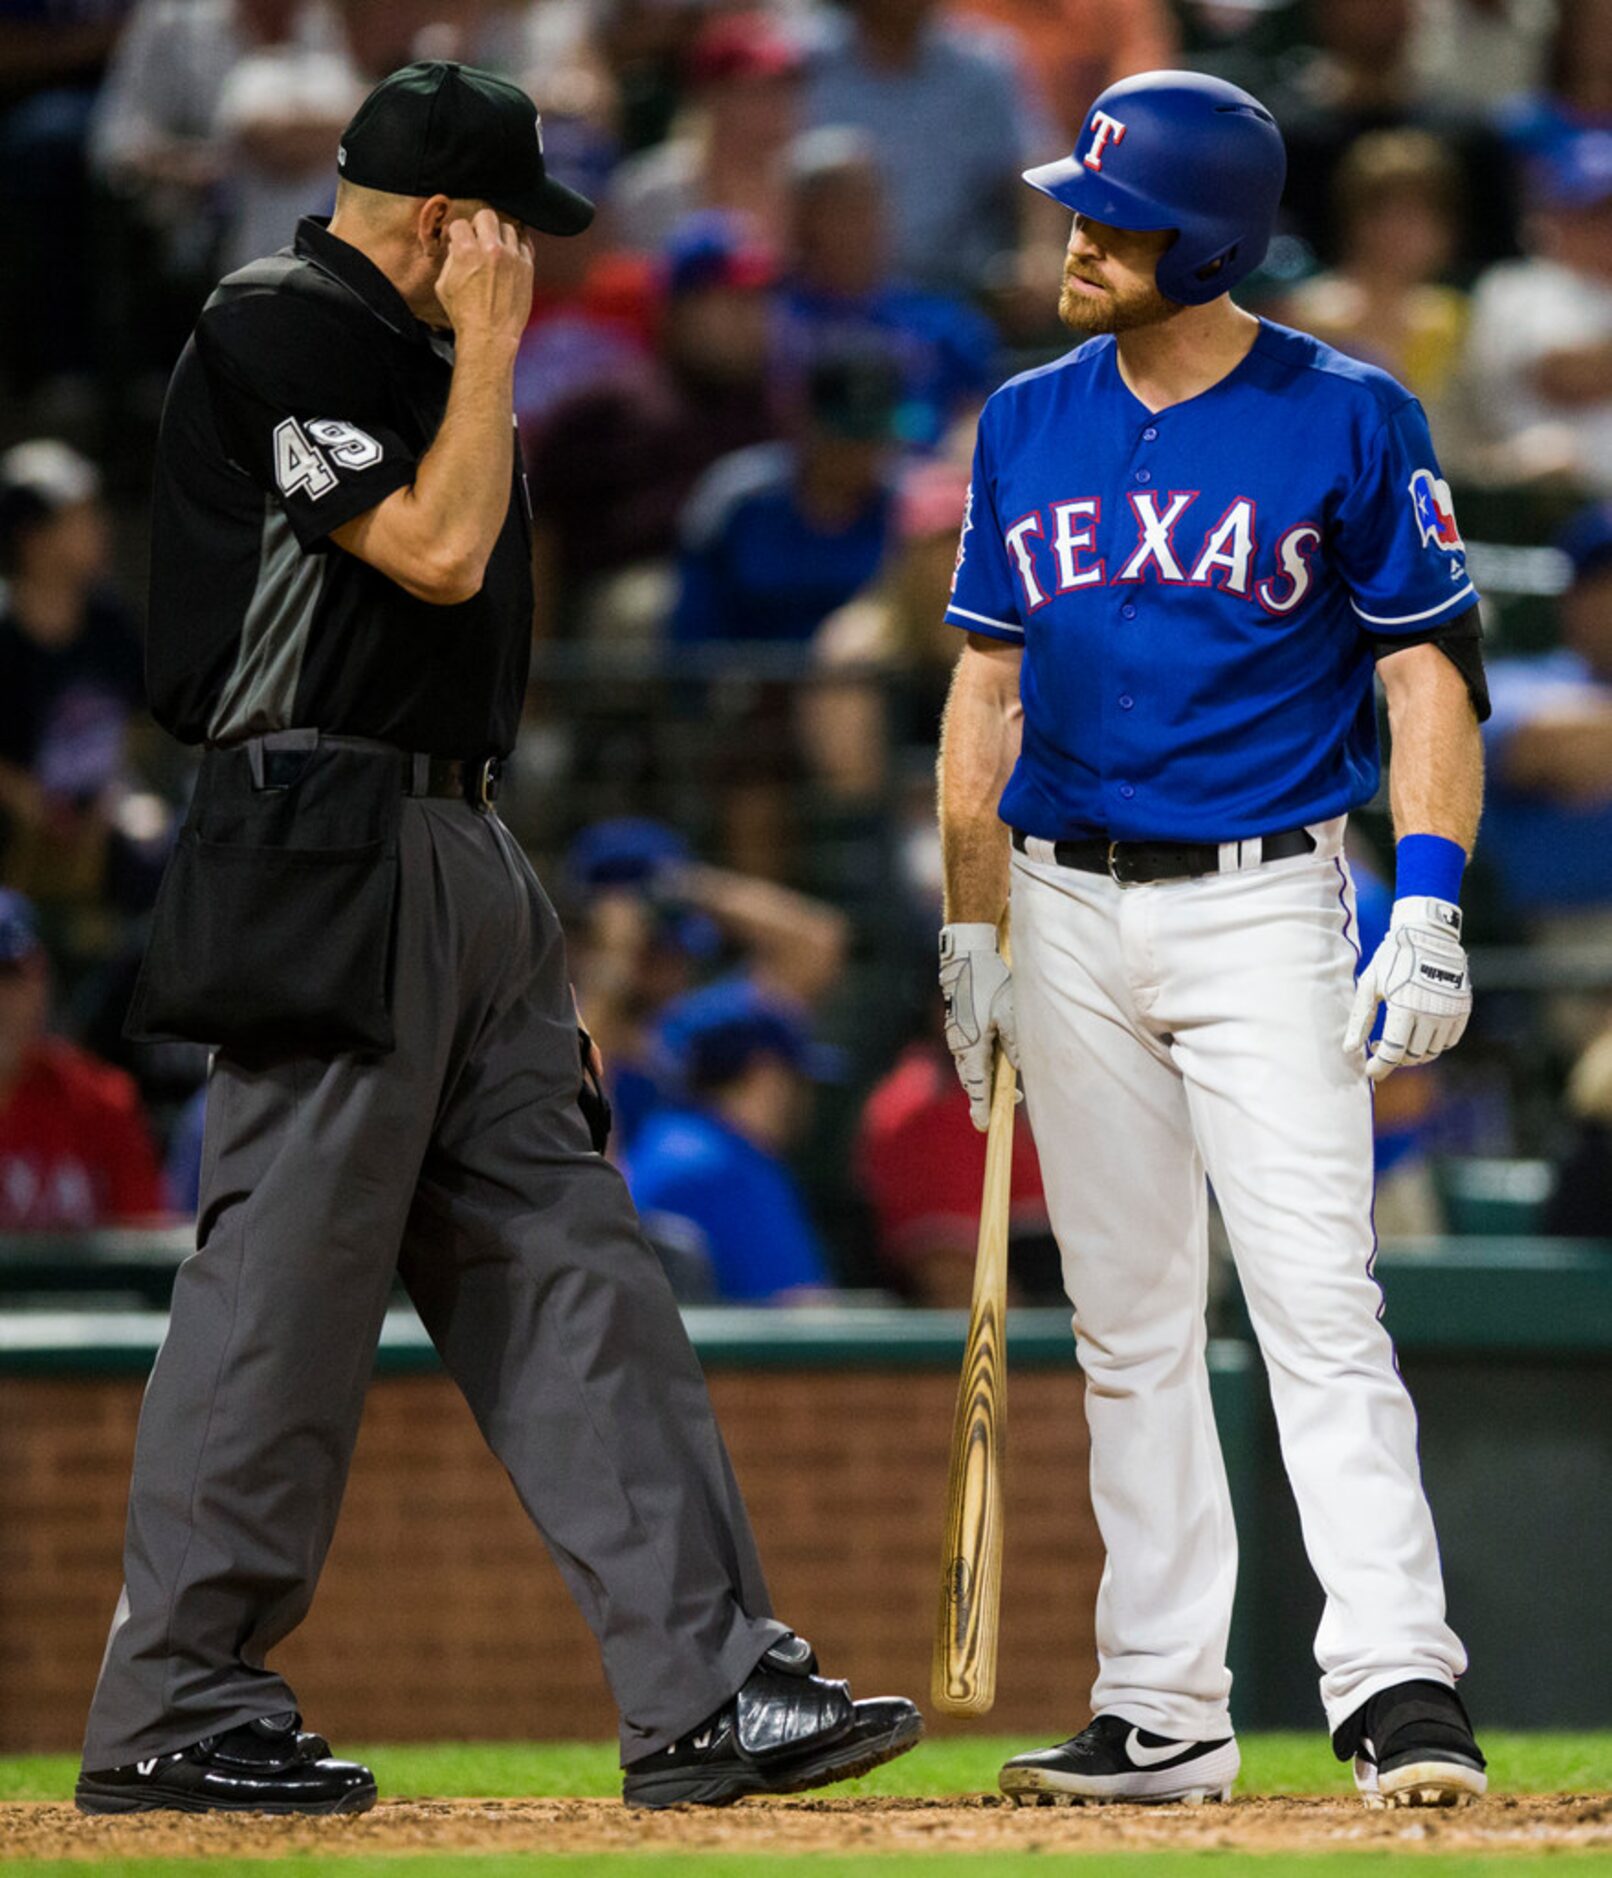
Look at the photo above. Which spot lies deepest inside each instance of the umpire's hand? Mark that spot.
(485, 285)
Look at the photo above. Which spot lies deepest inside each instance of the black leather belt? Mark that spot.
(1131, 863)
(279, 759)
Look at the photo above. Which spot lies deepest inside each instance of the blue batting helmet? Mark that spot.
(1181, 151)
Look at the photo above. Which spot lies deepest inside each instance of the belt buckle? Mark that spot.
(487, 783)
(1114, 874)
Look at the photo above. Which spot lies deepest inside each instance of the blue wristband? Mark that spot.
(1430, 865)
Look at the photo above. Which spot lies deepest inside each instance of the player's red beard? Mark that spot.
(1112, 310)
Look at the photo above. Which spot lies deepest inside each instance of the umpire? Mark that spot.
(341, 613)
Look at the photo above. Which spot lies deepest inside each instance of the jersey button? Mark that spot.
(1149, 434)
(1127, 791)
(1144, 476)
(1127, 611)
(1125, 700)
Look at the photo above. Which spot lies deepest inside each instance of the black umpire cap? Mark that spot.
(441, 128)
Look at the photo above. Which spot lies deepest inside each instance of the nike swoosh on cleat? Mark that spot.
(1151, 1757)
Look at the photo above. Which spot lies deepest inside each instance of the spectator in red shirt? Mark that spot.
(921, 1166)
(75, 1150)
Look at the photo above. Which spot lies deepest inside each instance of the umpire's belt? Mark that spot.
(279, 758)
(1133, 862)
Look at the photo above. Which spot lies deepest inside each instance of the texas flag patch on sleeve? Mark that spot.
(1434, 511)
(962, 536)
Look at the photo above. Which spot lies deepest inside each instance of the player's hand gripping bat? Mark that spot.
(963, 1681)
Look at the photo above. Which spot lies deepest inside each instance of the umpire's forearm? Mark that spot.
(461, 488)
(436, 536)
(1435, 784)
(979, 744)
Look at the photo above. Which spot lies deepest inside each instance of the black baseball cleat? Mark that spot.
(786, 1730)
(1412, 1745)
(1112, 1759)
(265, 1766)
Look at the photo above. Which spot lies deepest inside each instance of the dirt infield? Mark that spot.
(1514, 1824)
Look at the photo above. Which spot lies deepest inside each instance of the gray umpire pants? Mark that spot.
(463, 1160)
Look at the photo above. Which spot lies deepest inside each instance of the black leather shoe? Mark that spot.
(1412, 1745)
(786, 1730)
(267, 1766)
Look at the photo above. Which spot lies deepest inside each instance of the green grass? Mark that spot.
(1272, 1763)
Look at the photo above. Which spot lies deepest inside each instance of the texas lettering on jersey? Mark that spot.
(1065, 547)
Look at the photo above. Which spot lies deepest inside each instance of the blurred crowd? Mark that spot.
(746, 400)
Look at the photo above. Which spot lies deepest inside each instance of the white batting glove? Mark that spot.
(1419, 971)
(978, 988)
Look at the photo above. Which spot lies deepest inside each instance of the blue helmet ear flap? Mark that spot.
(1195, 285)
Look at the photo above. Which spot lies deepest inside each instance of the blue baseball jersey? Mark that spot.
(1196, 589)
(755, 566)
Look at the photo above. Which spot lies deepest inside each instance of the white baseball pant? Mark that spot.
(1166, 1029)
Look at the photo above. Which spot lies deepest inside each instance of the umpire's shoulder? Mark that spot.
(277, 318)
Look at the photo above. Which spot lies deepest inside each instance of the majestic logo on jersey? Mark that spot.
(1104, 131)
(1056, 551)
(1435, 512)
(962, 538)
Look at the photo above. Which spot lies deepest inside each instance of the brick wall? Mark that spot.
(440, 1616)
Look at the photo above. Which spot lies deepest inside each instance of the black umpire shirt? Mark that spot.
(306, 395)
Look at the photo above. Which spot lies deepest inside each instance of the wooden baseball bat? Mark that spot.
(963, 1680)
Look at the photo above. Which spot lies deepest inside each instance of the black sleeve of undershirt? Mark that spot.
(1461, 642)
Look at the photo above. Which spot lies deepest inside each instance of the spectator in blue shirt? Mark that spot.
(1547, 824)
(710, 1172)
(840, 290)
(647, 918)
(776, 537)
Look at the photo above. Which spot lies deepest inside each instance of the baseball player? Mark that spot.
(1190, 545)
(341, 615)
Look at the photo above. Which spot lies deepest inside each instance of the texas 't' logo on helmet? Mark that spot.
(1434, 511)
(1104, 131)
